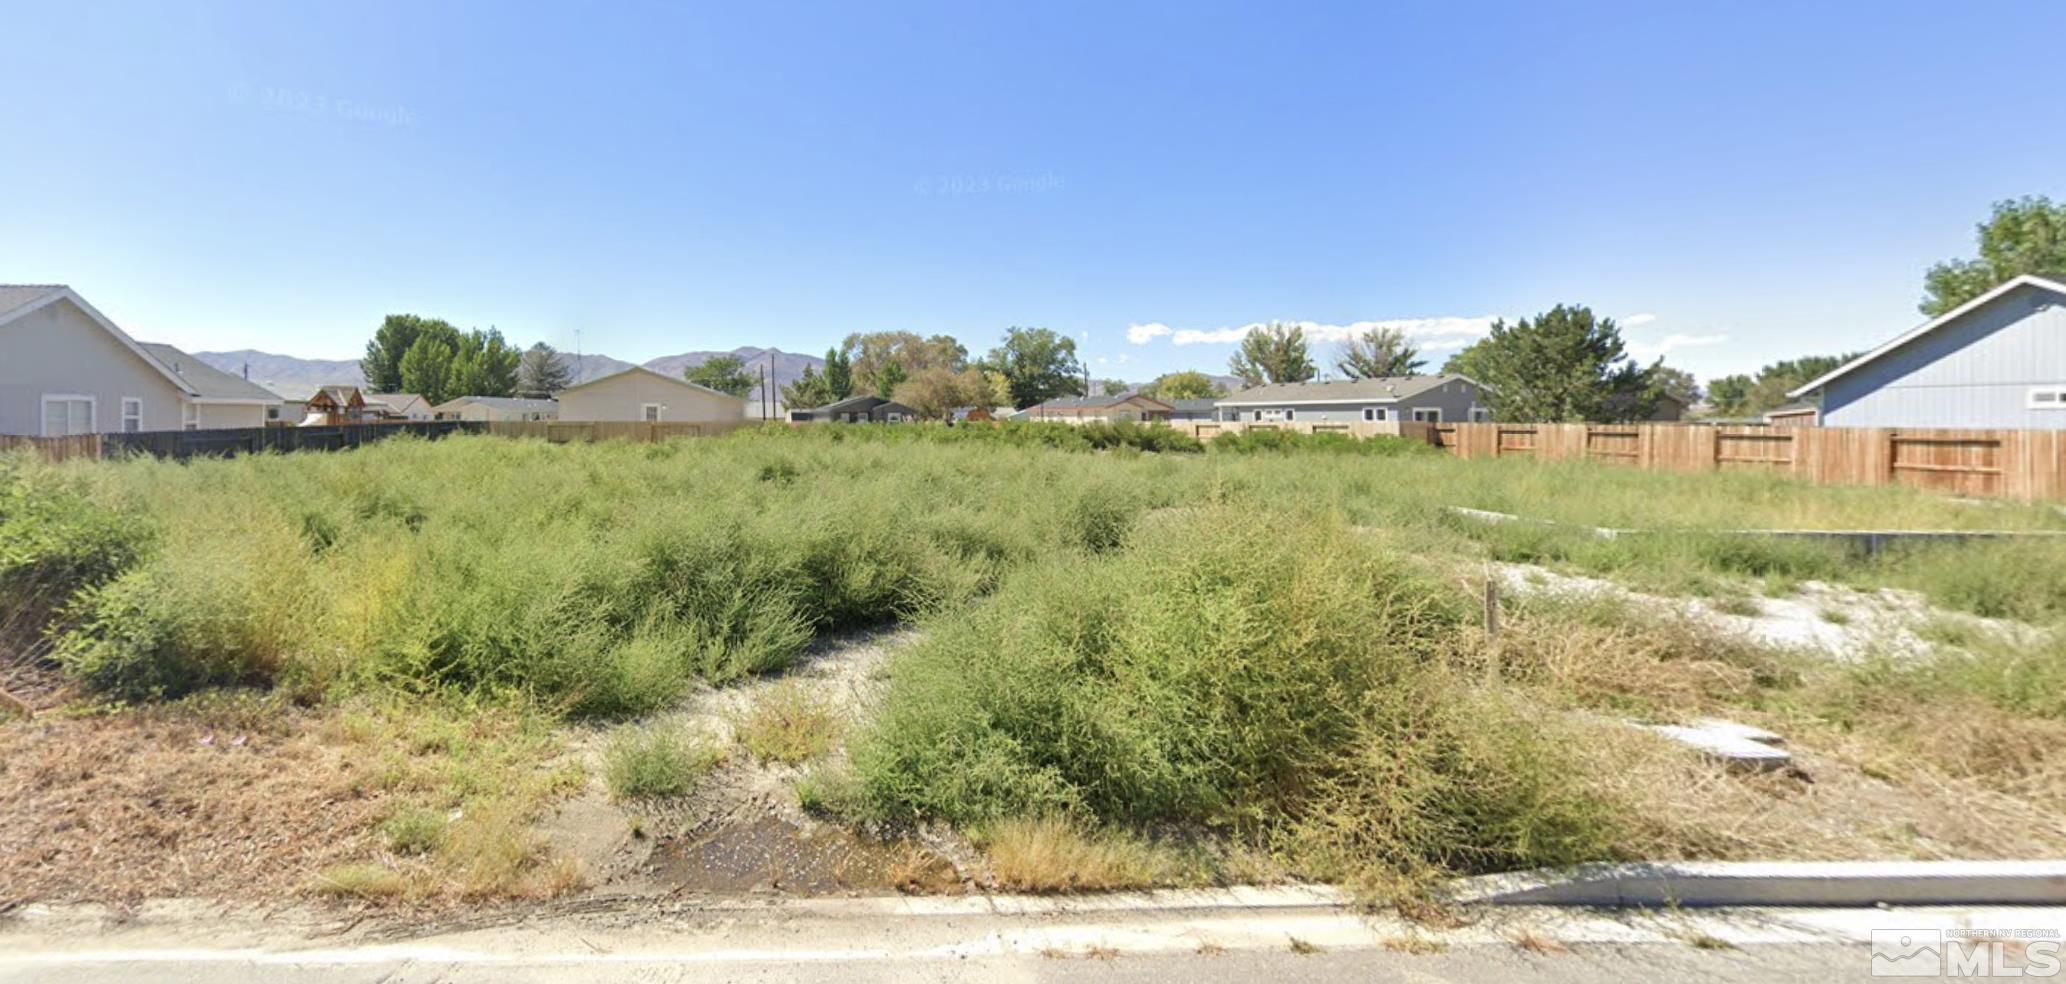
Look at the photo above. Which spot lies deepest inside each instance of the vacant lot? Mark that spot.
(486, 669)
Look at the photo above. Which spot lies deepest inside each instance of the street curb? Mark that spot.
(1852, 884)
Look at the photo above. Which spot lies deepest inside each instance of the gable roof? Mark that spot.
(205, 382)
(29, 298)
(1096, 402)
(859, 401)
(1205, 404)
(677, 380)
(2053, 284)
(1376, 389)
(398, 402)
(20, 295)
(517, 403)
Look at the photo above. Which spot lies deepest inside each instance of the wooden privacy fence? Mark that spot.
(2014, 464)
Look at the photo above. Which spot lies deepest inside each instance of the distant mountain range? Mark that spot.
(296, 378)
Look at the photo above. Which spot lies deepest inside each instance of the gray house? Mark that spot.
(1430, 399)
(1194, 410)
(864, 409)
(1997, 361)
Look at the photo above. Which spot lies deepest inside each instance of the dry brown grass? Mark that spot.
(914, 870)
(231, 798)
(1538, 944)
(1050, 854)
(249, 797)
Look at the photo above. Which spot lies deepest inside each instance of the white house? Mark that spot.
(66, 369)
(639, 393)
(497, 408)
(1427, 399)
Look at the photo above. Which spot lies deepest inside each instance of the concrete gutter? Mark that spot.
(1853, 884)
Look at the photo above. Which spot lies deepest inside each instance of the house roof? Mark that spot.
(2055, 284)
(1095, 402)
(339, 393)
(204, 381)
(1201, 405)
(516, 403)
(1376, 389)
(859, 401)
(398, 402)
(22, 295)
(19, 300)
(677, 380)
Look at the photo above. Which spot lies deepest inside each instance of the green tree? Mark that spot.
(426, 369)
(723, 373)
(1273, 353)
(890, 376)
(935, 392)
(542, 372)
(1563, 366)
(2023, 235)
(868, 355)
(1742, 395)
(1676, 383)
(483, 364)
(809, 391)
(1378, 352)
(1037, 365)
(1185, 385)
(839, 375)
(382, 363)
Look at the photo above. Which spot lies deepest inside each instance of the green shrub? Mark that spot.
(55, 540)
(654, 763)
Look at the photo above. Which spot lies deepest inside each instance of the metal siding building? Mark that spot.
(1981, 366)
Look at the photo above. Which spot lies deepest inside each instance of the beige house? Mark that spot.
(400, 406)
(66, 369)
(497, 408)
(639, 394)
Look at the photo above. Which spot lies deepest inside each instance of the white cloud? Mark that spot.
(1143, 334)
(1648, 351)
(1428, 333)
(1637, 320)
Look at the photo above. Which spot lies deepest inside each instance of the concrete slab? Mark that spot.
(1774, 883)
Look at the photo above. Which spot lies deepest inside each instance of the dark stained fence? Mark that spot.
(180, 445)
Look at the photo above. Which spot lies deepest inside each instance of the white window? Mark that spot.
(1289, 414)
(894, 417)
(2051, 397)
(190, 416)
(65, 414)
(1427, 415)
(1374, 414)
(1272, 415)
(1480, 415)
(650, 411)
(132, 415)
(1258, 415)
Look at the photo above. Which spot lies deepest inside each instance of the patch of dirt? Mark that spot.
(173, 801)
(1844, 622)
(744, 830)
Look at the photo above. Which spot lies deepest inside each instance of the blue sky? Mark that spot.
(1738, 182)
